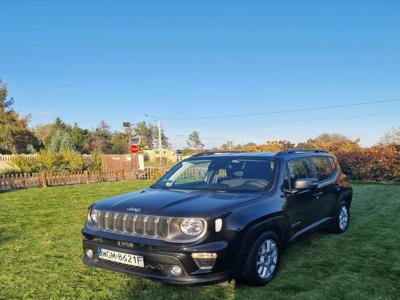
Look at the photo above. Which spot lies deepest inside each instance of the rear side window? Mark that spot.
(325, 167)
(299, 168)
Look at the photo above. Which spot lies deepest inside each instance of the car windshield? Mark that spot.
(221, 174)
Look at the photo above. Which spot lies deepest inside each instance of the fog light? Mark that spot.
(89, 253)
(176, 270)
(204, 261)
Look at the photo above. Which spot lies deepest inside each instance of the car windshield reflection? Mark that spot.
(221, 174)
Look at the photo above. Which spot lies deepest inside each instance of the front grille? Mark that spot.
(133, 224)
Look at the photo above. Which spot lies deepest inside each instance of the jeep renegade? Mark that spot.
(218, 216)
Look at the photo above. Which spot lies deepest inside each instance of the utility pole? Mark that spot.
(159, 135)
(128, 125)
(159, 138)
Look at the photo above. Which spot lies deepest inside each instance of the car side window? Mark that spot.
(325, 167)
(299, 168)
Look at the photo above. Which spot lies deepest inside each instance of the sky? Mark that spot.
(187, 61)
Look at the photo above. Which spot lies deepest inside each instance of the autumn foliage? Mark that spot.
(376, 163)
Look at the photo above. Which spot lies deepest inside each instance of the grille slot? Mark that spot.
(133, 224)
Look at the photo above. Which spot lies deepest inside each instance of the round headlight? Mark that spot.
(191, 226)
(93, 214)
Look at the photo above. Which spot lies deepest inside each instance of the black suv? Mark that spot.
(218, 216)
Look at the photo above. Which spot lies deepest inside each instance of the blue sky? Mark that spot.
(87, 61)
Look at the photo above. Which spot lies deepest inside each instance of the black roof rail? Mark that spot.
(215, 152)
(300, 150)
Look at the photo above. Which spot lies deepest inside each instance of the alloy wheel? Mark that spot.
(343, 218)
(267, 258)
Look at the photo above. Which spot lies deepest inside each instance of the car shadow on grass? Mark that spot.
(146, 289)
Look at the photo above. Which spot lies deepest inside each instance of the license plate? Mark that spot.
(119, 257)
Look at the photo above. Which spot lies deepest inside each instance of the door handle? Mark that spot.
(317, 195)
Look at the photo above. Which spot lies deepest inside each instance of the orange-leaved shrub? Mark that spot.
(376, 163)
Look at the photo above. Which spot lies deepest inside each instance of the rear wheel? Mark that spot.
(262, 261)
(342, 219)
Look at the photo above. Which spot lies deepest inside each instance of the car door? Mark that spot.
(300, 204)
(326, 194)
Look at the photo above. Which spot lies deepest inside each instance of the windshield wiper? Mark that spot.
(160, 186)
(213, 190)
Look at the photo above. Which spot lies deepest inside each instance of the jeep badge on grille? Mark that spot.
(135, 209)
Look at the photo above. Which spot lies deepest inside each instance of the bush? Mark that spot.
(24, 163)
(269, 146)
(49, 161)
(94, 162)
(376, 163)
(9, 171)
(73, 161)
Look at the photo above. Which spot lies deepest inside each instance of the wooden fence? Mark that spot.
(30, 180)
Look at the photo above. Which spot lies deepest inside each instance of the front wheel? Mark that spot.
(262, 261)
(342, 219)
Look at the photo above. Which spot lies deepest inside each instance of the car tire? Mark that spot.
(342, 219)
(261, 263)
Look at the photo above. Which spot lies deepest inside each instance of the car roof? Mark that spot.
(235, 154)
(287, 154)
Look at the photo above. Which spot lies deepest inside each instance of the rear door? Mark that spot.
(326, 195)
(300, 204)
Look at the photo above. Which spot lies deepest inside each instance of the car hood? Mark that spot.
(175, 203)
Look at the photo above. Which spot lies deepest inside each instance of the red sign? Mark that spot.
(134, 148)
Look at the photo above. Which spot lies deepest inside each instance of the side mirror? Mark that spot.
(346, 172)
(305, 184)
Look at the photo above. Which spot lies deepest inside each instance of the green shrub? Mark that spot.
(9, 171)
(94, 162)
(24, 163)
(72, 160)
(49, 161)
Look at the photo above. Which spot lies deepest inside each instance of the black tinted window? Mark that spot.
(222, 174)
(325, 167)
(299, 168)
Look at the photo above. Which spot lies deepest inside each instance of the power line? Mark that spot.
(284, 111)
(296, 121)
(203, 138)
(292, 121)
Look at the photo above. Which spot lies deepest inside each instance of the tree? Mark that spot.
(164, 139)
(194, 142)
(102, 138)
(60, 125)
(332, 142)
(44, 133)
(81, 139)
(61, 141)
(269, 146)
(228, 146)
(146, 133)
(15, 135)
(119, 143)
(391, 136)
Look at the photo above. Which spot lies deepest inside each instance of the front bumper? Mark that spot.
(158, 262)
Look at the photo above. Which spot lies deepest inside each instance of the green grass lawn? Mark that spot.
(40, 252)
